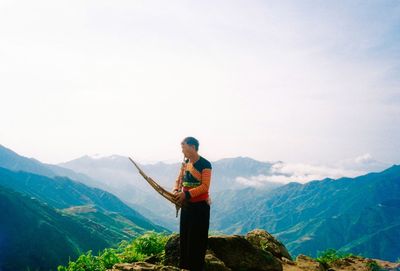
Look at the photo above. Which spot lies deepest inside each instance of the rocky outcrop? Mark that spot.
(239, 254)
(359, 263)
(303, 263)
(256, 251)
(351, 263)
(265, 241)
(234, 252)
(214, 264)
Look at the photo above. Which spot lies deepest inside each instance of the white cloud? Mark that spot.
(253, 181)
(364, 163)
(303, 173)
(362, 159)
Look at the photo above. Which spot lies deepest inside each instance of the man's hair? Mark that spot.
(192, 141)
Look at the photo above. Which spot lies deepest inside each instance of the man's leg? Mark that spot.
(199, 236)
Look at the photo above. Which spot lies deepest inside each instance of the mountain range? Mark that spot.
(43, 215)
(307, 217)
(359, 215)
(116, 174)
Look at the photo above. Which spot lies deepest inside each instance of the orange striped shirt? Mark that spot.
(194, 179)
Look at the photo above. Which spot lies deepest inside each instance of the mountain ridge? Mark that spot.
(304, 216)
(37, 235)
(61, 192)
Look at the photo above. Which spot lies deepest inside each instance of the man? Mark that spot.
(191, 190)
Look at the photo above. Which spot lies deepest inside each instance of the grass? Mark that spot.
(146, 245)
(330, 255)
(373, 266)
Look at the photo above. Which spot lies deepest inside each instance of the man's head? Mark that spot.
(190, 145)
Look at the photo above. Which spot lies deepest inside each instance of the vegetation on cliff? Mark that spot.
(148, 244)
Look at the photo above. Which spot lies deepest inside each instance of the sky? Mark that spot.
(304, 82)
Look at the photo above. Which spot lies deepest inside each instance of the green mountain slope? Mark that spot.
(34, 234)
(360, 215)
(62, 193)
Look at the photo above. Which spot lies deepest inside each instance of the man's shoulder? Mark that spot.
(204, 163)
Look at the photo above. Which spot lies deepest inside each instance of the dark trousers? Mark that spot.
(194, 224)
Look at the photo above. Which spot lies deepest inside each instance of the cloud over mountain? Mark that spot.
(281, 172)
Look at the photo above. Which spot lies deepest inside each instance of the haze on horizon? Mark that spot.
(296, 81)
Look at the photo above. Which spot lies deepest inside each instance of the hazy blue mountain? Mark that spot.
(35, 235)
(241, 166)
(62, 193)
(361, 215)
(16, 162)
(148, 203)
(120, 177)
(118, 169)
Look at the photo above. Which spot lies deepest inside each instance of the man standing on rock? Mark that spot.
(191, 191)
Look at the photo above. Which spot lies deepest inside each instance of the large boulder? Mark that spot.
(267, 242)
(212, 263)
(239, 254)
(227, 253)
(155, 259)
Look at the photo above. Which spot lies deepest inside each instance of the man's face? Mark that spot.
(186, 149)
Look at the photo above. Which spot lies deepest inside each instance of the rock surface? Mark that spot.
(352, 263)
(227, 253)
(257, 251)
(265, 241)
(303, 263)
(141, 266)
(239, 254)
(214, 264)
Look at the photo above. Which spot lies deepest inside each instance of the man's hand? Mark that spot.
(180, 197)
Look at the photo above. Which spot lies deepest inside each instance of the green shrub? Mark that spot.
(128, 253)
(330, 255)
(148, 244)
(84, 262)
(373, 266)
(109, 258)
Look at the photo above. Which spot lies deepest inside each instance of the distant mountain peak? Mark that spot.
(393, 168)
(240, 160)
(5, 149)
(98, 156)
